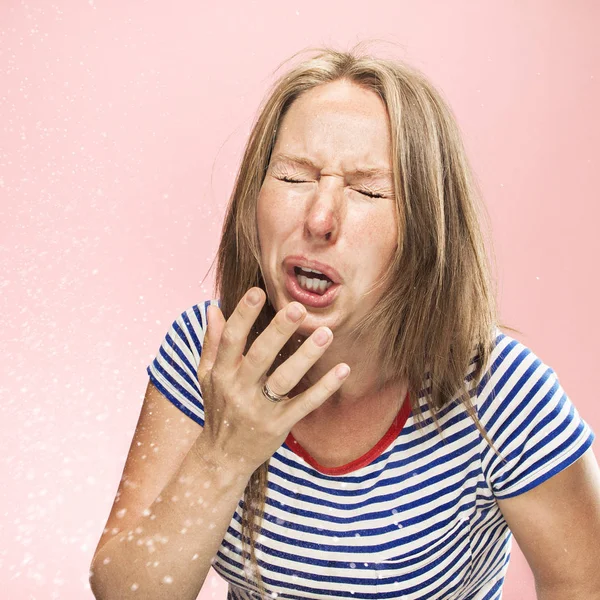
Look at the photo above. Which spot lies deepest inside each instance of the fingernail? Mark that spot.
(294, 312)
(322, 336)
(342, 371)
(253, 297)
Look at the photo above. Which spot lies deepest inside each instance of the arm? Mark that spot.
(167, 552)
(557, 526)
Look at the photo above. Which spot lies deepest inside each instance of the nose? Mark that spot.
(324, 214)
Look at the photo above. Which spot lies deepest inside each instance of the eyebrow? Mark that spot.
(306, 162)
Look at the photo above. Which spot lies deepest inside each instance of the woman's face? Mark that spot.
(327, 204)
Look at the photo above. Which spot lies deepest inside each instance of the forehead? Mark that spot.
(338, 125)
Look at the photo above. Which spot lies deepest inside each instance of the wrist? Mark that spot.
(223, 470)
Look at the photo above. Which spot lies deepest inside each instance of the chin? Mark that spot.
(314, 320)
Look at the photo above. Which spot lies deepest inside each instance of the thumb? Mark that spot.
(215, 322)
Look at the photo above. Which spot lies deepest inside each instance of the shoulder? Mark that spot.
(529, 418)
(190, 325)
(173, 370)
(514, 372)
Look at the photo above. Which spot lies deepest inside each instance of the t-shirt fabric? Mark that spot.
(416, 517)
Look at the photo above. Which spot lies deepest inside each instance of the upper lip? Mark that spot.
(301, 261)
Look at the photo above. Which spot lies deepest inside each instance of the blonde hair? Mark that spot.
(439, 307)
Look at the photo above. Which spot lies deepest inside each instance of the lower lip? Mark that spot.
(310, 298)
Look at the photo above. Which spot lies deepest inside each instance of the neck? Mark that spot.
(362, 384)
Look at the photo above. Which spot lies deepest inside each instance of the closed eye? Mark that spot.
(363, 192)
(369, 194)
(290, 180)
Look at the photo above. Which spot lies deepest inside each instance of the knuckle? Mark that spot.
(215, 375)
(329, 387)
(308, 403)
(240, 309)
(280, 328)
(282, 323)
(280, 384)
(205, 386)
(230, 337)
(313, 352)
(255, 356)
(273, 428)
(324, 389)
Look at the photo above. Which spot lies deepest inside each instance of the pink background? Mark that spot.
(122, 125)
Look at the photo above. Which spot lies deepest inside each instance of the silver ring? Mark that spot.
(269, 394)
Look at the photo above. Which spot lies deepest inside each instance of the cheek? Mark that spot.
(264, 221)
(275, 216)
(377, 231)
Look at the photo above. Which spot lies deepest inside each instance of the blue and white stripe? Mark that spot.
(421, 521)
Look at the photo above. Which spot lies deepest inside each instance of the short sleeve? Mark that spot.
(529, 419)
(174, 369)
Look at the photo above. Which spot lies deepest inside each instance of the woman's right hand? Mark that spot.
(241, 425)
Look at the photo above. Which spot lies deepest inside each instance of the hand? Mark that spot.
(242, 426)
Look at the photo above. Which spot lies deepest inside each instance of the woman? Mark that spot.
(352, 397)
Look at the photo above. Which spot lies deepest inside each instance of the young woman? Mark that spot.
(351, 422)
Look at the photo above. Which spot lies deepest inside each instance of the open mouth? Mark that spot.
(312, 280)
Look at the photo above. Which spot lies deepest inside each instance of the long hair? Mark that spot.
(439, 308)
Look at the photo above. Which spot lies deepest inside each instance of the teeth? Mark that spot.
(314, 285)
(323, 285)
(312, 270)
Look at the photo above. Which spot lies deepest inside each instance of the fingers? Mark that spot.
(215, 322)
(235, 331)
(313, 397)
(269, 343)
(287, 376)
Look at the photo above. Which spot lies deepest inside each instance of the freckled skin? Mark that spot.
(340, 127)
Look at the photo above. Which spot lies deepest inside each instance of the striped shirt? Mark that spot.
(416, 517)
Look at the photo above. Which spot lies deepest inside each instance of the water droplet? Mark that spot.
(167, 579)
(134, 587)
